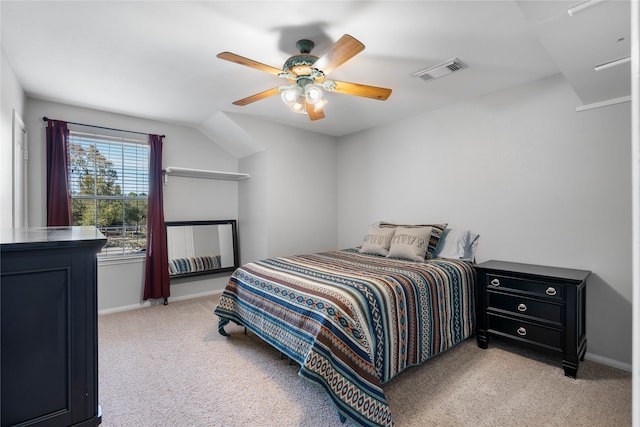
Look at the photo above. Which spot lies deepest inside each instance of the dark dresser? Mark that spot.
(49, 343)
(536, 305)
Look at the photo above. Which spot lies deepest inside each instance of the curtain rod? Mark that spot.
(45, 118)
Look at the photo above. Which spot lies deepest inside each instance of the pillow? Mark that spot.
(377, 241)
(471, 250)
(434, 239)
(458, 244)
(410, 243)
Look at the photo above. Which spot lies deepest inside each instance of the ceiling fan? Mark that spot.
(306, 75)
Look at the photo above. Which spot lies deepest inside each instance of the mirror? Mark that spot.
(201, 247)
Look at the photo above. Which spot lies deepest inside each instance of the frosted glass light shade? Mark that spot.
(313, 93)
(290, 94)
(298, 105)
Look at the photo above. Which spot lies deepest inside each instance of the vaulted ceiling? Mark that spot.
(157, 60)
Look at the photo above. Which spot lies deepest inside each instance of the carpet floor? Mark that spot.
(168, 366)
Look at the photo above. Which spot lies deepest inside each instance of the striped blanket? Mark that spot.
(353, 321)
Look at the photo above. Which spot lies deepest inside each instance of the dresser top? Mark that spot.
(535, 270)
(22, 238)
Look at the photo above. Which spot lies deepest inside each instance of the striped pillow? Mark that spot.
(434, 239)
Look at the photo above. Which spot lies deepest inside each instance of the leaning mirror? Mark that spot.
(201, 247)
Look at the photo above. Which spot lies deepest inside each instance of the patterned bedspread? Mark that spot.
(353, 321)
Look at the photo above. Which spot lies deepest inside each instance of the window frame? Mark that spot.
(94, 140)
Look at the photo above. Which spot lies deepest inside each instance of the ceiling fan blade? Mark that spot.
(340, 52)
(313, 113)
(228, 56)
(257, 97)
(356, 89)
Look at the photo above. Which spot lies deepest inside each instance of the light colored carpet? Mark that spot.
(168, 366)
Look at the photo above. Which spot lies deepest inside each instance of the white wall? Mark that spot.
(290, 202)
(540, 182)
(13, 98)
(120, 283)
(252, 193)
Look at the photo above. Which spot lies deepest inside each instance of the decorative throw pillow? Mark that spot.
(457, 244)
(377, 241)
(434, 239)
(410, 243)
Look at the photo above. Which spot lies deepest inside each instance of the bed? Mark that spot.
(354, 318)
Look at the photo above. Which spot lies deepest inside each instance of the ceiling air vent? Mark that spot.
(440, 70)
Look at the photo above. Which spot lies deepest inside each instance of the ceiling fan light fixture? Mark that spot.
(290, 94)
(303, 92)
(298, 105)
(313, 93)
(318, 105)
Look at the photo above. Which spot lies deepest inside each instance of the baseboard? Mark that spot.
(198, 295)
(157, 302)
(609, 362)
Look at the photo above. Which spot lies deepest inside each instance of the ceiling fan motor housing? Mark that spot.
(304, 46)
(299, 65)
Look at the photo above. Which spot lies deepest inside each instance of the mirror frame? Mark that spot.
(234, 233)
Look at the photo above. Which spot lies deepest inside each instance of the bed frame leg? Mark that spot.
(284, 356)
(221, 324)
(166, 301)
(343, 419)
(224, 322)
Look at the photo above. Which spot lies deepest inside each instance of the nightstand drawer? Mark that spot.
(531, 287)
(523, 306)
(525, 331)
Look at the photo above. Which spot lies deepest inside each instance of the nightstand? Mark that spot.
(541, 306)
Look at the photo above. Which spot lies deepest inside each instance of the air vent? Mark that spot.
(440, 70)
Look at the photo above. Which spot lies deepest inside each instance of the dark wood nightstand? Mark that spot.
(535, 305)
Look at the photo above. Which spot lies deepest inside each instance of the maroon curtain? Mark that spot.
(156, 279)
(58, 198)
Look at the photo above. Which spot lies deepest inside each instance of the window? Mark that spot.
(109, 184)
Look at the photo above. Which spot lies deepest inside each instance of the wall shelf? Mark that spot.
(200, 173)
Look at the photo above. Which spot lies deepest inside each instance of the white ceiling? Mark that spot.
(157, 59)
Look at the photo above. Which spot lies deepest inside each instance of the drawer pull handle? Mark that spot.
(551, 291)
(522, 307)
(521, 331)
(495, 282)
